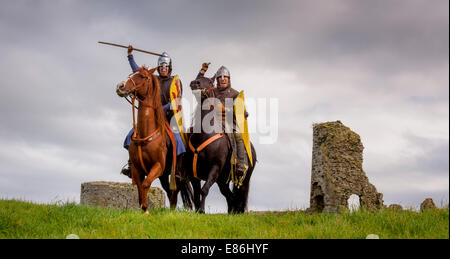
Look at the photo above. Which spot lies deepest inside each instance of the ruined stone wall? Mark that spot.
(337, 170)
(118, 195)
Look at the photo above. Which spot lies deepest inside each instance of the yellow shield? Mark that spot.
(239, 111)
(175, 99)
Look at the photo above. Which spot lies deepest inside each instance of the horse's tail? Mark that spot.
(240, 195)
(187, 195)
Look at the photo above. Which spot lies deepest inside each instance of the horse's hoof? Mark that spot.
(146, 212)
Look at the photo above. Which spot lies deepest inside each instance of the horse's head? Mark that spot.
(202, 83)
(137, 84)
(144, 86)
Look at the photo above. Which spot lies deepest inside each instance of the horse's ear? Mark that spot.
(144, 71)
(151, 71)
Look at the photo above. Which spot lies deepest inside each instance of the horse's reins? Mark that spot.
(126, 98)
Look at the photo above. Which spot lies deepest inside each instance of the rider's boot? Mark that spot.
(242, 165)
(127, 170)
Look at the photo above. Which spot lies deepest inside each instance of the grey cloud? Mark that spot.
(431, 161)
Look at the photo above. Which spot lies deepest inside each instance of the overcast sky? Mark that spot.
(381, 67)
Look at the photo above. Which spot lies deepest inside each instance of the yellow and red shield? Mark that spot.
(175, 99)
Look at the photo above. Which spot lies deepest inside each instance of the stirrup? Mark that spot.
(126, 171)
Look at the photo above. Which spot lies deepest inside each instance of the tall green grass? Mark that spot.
(26, 220)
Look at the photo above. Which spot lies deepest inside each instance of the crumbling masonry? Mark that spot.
(337, 170)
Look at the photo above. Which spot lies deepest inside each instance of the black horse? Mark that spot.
(213, 162)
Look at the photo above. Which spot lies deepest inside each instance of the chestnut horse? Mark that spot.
(149, 149)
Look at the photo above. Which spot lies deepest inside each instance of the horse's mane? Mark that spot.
(154, 93)
(206, 84)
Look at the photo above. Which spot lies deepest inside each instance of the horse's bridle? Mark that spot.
(136, 88)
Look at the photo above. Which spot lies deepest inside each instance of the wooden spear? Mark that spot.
(126, 47)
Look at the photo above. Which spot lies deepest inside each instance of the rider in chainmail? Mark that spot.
(165, 81)
(222, 92)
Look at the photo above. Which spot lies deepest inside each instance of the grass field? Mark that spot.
(26, 220)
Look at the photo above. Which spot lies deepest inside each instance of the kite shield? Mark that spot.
(175, 100)
(241, 121)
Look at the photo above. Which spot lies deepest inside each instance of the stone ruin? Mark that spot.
(337, 171)
(395, 207)
(118, 195)
(427, 204)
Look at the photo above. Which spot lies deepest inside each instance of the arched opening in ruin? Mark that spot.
(354, 202)
(318, 203)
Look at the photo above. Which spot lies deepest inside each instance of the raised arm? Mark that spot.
(203, 70)
(133, 65)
